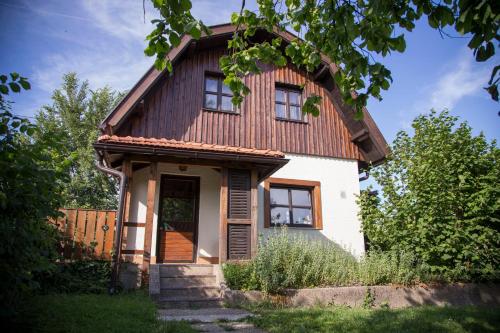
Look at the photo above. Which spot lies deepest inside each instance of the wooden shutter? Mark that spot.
(239, 194)
(238, 242)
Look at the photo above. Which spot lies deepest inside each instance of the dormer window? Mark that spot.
(288, 103)
(217, 96)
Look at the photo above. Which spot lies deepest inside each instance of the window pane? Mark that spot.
(301, 198)
(280, 96)
(295, 113)
(227, 105)
(280, 110)
(279, 196)
(302, 216)
(210, 101)
(226, 90)
(294, 97)
(211, 84)
(280, 215)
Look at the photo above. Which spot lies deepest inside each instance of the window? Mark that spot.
(217, 96)
(295, 203)
(288, 104)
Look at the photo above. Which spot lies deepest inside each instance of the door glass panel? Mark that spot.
(280, 215)
(177, 210)
(279, 196)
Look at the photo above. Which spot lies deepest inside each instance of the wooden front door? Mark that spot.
(178, 219)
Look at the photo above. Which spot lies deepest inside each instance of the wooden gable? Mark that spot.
(171, 107)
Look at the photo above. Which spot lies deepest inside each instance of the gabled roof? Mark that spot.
(364, 133)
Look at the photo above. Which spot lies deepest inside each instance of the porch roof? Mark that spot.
(116, 149)
(188, 145)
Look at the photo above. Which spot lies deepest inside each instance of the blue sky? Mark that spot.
(103, 42)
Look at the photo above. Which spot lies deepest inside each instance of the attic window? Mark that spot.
(288, 102)
(217, 96)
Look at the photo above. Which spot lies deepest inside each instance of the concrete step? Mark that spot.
(188, 281)
(189, 293)
(199, 303)
(174, 270)
(206, 315)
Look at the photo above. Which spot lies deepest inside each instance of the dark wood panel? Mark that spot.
(176, 246)
(173, 110)
(239, 240)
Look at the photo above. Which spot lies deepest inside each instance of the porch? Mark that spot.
(187, 202)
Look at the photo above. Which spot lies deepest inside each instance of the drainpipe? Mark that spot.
(365, 177)
(115, 263)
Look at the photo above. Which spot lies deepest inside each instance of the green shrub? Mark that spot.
(389, 267)
(293, 261)
(82, 276)
(439, 199)
(240, 276)
(289, 260)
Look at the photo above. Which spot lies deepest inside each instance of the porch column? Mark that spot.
(223, 216)
(127, 170)
(148, 231)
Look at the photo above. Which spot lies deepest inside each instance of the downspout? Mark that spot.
(115, 263)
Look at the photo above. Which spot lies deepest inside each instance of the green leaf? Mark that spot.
(150, 50)
(3, 78)
(485, 52)
(4, 89)
(195, 32)
(174, 39)
(186, 5)
(14, 87)
(25, 84)
(14, 76)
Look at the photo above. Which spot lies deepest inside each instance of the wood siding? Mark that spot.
(173, 110)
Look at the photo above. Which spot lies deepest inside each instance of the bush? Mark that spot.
(29, 194)
(240, 276)
(293, 261)
(83, 276)
(440, 199)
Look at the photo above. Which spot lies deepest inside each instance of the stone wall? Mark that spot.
(393, 296)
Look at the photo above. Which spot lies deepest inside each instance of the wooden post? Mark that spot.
(127, 170)
(254, 213)
(223, 216)
(150, 202)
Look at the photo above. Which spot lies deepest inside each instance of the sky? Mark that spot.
(103, 42)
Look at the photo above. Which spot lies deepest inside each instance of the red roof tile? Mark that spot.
(188, 145)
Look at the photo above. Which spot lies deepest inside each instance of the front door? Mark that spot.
(178, 219)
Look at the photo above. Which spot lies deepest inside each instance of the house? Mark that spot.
(203, 178)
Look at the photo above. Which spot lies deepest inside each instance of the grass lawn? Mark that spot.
(132, 312)
(343, 319)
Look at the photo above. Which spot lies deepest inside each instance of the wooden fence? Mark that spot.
(86, 233)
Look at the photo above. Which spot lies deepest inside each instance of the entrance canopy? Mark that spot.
(117, 148)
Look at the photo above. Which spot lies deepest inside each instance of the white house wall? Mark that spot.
(339, 187)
